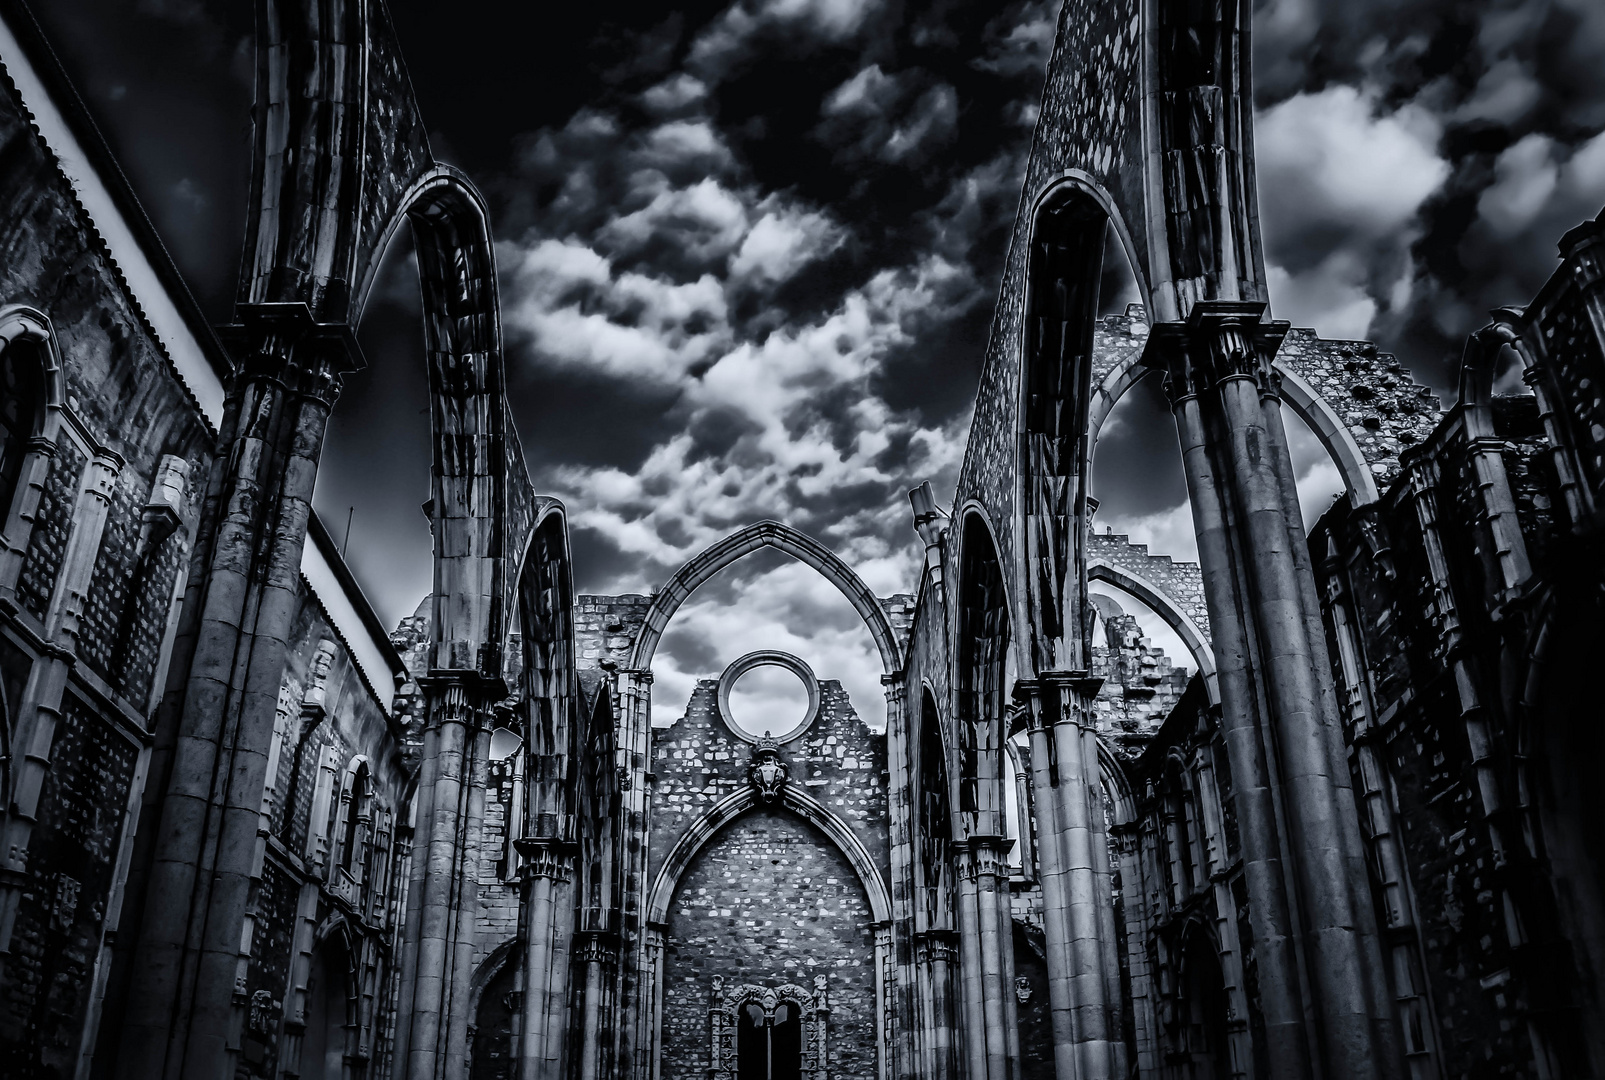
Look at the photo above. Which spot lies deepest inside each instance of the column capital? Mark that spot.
(599, 946)
(284, 343)
(983, 855)
(546, 857)
(1056, 697)
(1221, 340)
(475, 685)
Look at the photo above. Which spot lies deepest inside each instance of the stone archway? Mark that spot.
(805, 549)
(731, 900)
(1192, 635)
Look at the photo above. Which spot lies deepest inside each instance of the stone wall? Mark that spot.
(769, 901)
(1140, 684)
(123, 406)
(839, 761)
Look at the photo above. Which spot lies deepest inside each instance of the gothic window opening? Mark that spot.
(769, 1049)
(983, 649)
(935, 834)
(21, 398)
(769, 1033)
(551, 733)
(1065, 274)
(353, 834)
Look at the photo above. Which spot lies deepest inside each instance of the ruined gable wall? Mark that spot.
(769, 899)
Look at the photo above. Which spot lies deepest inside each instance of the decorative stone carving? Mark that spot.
(768, 773)
(1022, 989)
(724, 1013)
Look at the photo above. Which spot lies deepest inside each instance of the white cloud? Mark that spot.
(1330, 296)
(1333, 160)
(1526, 175)
(677, 92)
(783, 241)
(706, 221)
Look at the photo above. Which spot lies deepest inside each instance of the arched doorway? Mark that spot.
(323, 1047)
(493, 1028)
(1204, 1011)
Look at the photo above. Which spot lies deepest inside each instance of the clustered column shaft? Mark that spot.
(437, 954)
(217, 722)
(1077, 903)
(1321, 975)
(986, 958)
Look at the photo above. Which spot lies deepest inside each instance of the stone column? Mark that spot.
(39, 711)
(986, 943)
(1043, 715)
(217, 718)
(937, 956)
(1077, 905)
(549, 923)
(1321, 976)
(632, 1036)
(900, 811)
(437, 943)
(598, 951)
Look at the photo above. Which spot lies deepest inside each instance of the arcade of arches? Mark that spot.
(251, 832)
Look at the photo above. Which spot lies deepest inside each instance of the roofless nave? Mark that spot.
(249, 833)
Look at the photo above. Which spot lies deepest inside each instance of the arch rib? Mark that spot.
(1194, 638)
(1297, 393)
(734, 806)
(805, 549)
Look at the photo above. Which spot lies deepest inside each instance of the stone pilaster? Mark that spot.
(31, 479)
(632, 1036)
(900, 819)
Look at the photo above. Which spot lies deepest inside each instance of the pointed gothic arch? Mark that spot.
(980, 725)
(1297, 394)
(1192, 635)
(934, 816)
(540, 668)
(732, 807)
(805, 549)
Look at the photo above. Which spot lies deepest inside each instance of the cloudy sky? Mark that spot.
(749, 251)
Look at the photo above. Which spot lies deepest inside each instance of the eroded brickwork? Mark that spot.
(1141, 684)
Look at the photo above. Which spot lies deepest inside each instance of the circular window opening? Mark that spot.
(768, 694)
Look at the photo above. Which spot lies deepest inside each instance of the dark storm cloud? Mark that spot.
(749, 250)
(1464, 137)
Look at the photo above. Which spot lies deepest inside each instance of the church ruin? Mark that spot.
(251, 832)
